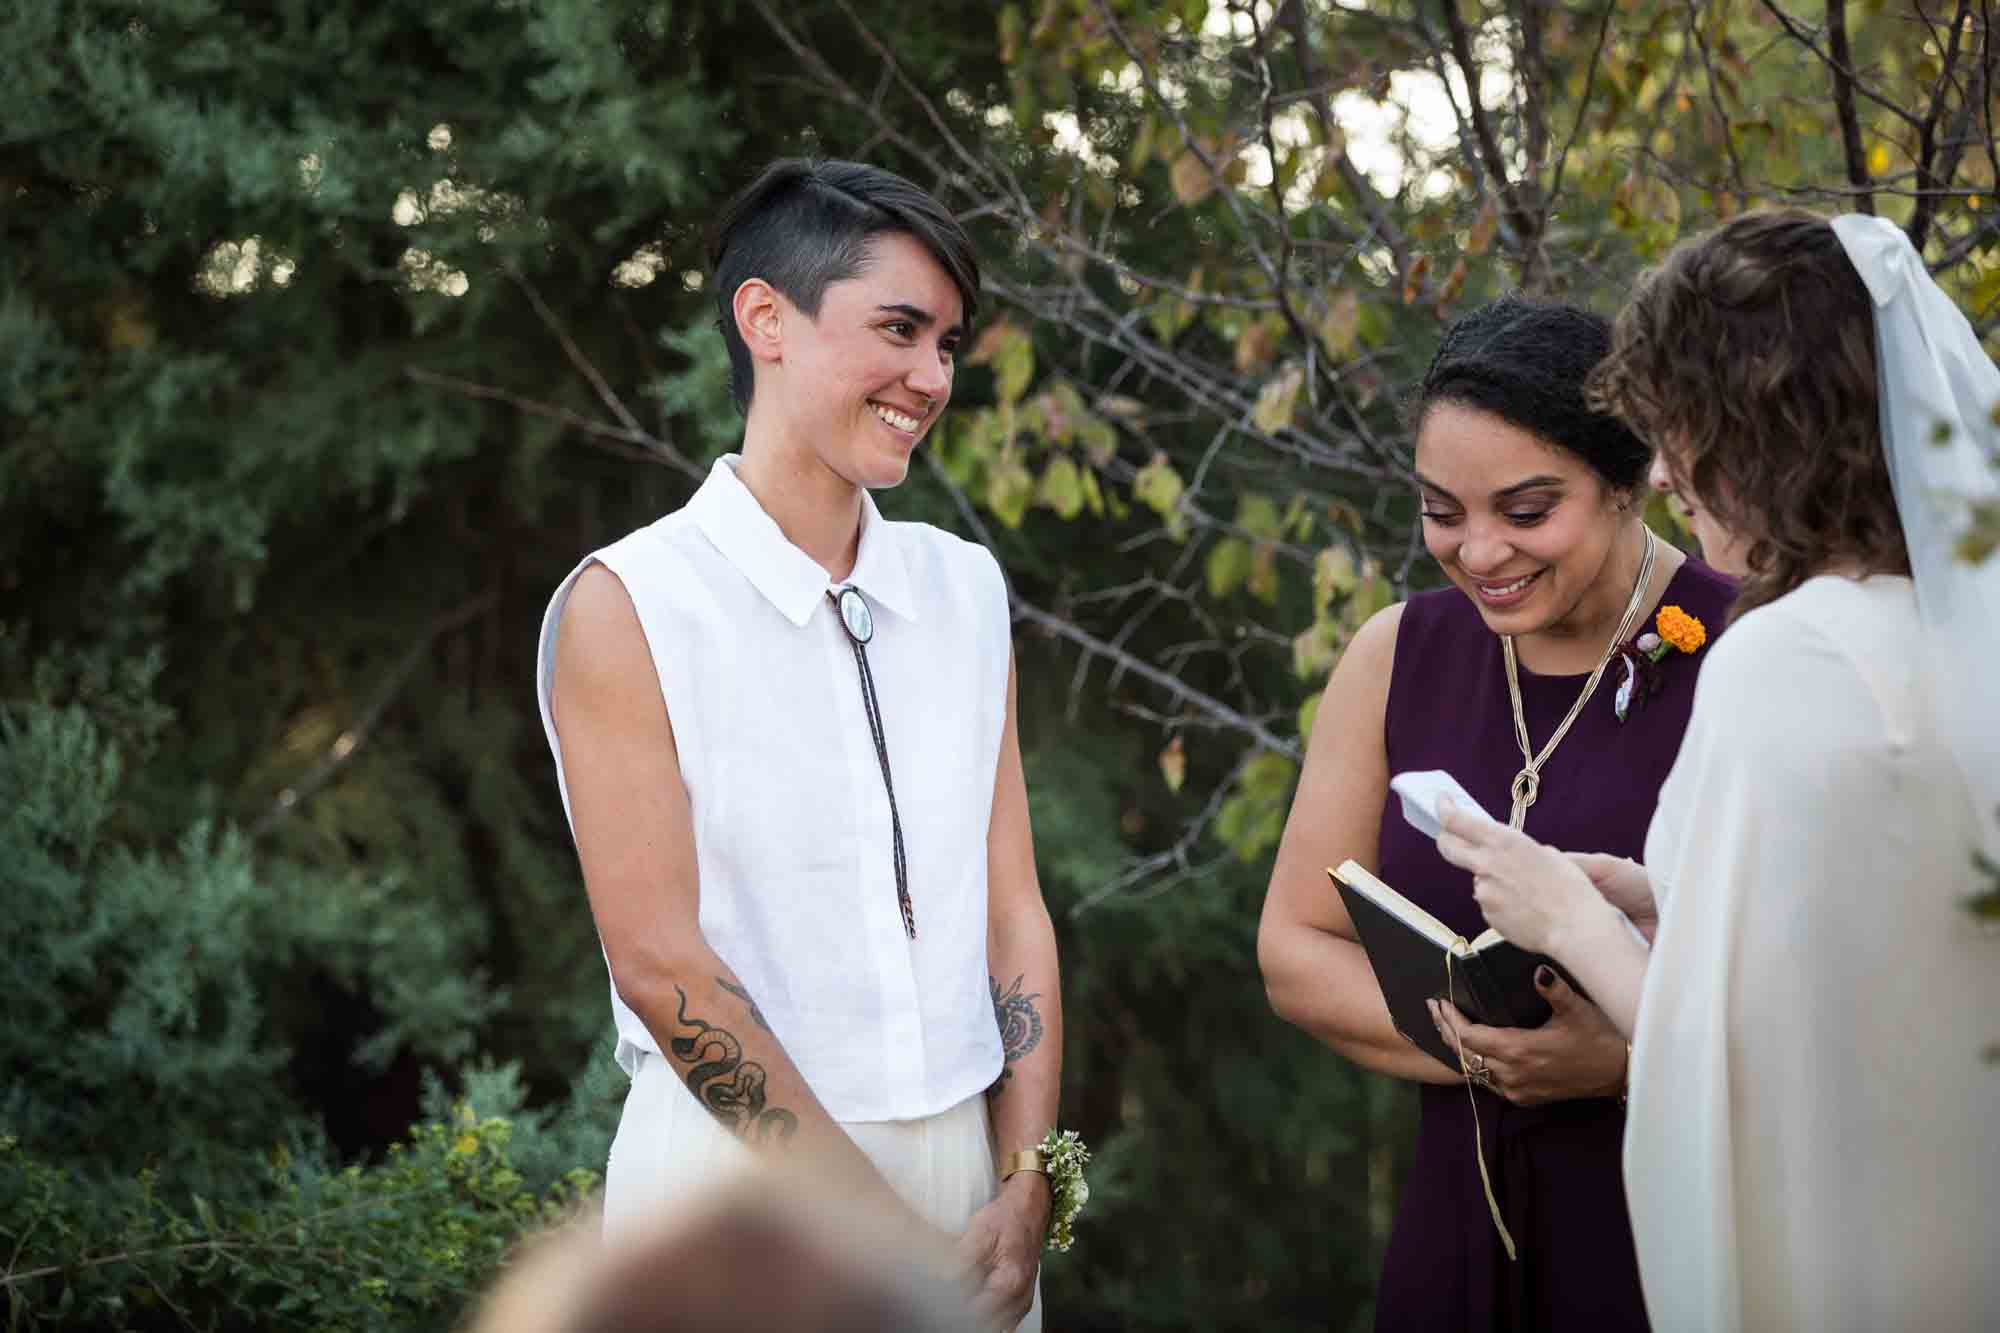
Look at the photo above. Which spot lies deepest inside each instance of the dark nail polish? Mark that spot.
(1545, 976)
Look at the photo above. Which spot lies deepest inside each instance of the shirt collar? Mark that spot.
(789, 579)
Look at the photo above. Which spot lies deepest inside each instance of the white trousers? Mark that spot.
(668, 1149)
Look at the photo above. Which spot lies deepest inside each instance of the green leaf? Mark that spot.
(1253, 817)
(1316, 648)
(1014, 367)
(1010, 487)
(1098, 437)
(1258, 515)
(1229, 563)
(1309, 714)
(1158, 487)
(1092, 496)
(1061, 488)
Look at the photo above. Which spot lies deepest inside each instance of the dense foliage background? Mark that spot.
(332, 335)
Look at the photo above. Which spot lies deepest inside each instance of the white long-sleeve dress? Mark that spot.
(1813, 1139)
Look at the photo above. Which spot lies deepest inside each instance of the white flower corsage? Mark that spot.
(1064, 1156)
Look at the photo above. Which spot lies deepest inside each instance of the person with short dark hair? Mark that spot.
(1524, 680)
(1810, 1142)
(784, 729)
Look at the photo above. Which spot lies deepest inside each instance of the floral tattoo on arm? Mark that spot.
(729, 1087)
(1020, 1025)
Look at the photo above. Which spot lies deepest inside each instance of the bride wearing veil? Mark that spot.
(1811, 1140)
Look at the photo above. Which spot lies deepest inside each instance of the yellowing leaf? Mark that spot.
(1255, 345)
(1173, 764)
(1062, 411)
(1010, 33)
(1190, 178)
(991, 339)
(1483, 227)
(1878, 160)
(1454, 282)
(1342, 322)
(1263, 581)
(1334, 575)
(1413, 281)
(1277, 400)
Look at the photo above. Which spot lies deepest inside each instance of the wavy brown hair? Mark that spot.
(1748, 357)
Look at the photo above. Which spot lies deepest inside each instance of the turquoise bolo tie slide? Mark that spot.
(859, 622)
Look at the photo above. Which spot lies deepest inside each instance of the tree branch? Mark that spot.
(1526, 225)
(1582, 106)
(1293, 17)
(1843, 101)
(1842, 67)
(1930, 172)
(1715, 95)
(356, 734)
(643, 446)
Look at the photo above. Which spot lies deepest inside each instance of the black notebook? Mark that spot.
(1492, 981)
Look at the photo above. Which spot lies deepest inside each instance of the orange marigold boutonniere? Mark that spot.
(1673, 629)
(1679, 630)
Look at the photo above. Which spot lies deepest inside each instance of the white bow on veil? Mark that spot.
(1940, 397)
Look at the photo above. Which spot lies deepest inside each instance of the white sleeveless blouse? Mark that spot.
(792, 830)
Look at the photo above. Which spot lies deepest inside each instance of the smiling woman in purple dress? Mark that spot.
(1510, 680)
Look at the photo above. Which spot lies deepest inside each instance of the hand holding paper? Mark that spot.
(1421, 791)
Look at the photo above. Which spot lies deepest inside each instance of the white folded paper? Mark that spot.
(1420, 792)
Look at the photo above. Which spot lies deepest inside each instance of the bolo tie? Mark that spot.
(859, 623)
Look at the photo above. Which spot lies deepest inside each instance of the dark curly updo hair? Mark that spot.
(1748, 356)
(1527, 363)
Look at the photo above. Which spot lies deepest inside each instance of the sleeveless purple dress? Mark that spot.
(1555, 1168)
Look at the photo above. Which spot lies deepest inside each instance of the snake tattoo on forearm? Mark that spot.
(728, 1087)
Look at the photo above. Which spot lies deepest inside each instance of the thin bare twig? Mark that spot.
(602, 387)
(356, 733)
(1930, 171)
(1176, 856)
(1694, 13)
(1178, 689)
(1293, 17)
(1842, 67)
(640, 446)
(1582, 106)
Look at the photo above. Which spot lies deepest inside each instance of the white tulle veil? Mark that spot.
(1941, 428)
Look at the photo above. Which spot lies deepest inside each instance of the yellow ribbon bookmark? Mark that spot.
(1478, 1140)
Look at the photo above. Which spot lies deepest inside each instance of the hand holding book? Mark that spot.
(1594, 914)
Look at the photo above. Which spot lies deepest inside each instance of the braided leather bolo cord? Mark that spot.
(872, 706)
